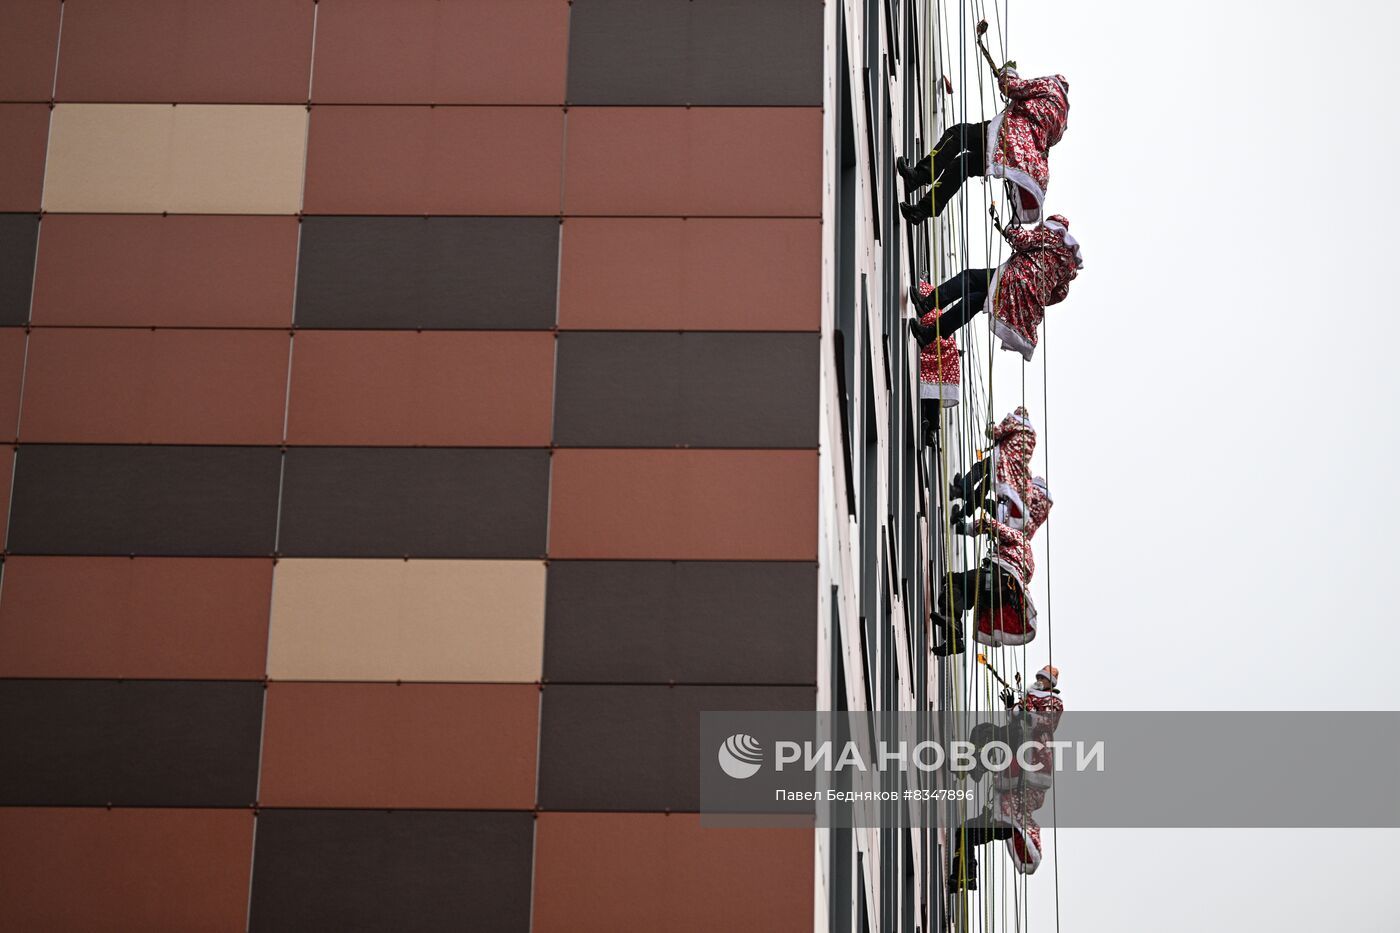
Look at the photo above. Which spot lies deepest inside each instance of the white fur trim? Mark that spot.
(1011, 340)
(949, 392)
(1045, 672)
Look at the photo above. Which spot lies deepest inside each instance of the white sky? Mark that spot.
(1222, 430)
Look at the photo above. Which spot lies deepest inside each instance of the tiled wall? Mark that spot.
(415, 409)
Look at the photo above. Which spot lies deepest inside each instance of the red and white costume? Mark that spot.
(1019, 138)
(1038, 505)
(1044, 260)
(1007, 624)
(1014, 440)
(940, 368)
(1022, 792)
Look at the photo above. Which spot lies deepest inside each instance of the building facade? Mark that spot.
(421, 411)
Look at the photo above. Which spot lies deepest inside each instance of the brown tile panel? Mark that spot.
(629, 389)
(176, 271)
(427, 51)
(464, 389)
(19, 234)
(634, 747)
(684, 504)
(735, 52)
(28, 48)
(620, 621)
(366, 871)
(90, 385)
(24, 135)
(164, 501)
(736, 161)
(12, 343)
(124, 870)
(134, 743)
(696, 274)
(604, 872)
(421, 160)
(162, 51)
(398, 502)
(186, 618)
(437, 620)
(439, 746)
(445, 273)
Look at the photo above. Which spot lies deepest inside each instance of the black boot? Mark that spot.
(917, 212)
(914, 176)
(923, 333)
(952, 635)
(960, 488)
(963, 877)
(924, 303)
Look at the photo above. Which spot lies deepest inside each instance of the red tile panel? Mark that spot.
(24, 138)
(697, 274)
(124, 870)
(28, 48)
(443, 160)
(177, 271)
(451, 389)
(94, 386)
(461, 746)
(428, 51)
(151, 617)
(649, 871)
(684, 504)
(12, 340)
(744, 162)
(207, 51)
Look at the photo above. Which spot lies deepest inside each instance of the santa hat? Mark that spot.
(1051, 674)
(1021, 415)
(1044, 487)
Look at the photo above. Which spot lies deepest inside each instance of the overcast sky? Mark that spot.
(1222, 429)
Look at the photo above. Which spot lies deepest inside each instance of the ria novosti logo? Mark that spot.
(741, 756)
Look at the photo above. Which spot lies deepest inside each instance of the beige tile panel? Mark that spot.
(190, 159)
(437, 620)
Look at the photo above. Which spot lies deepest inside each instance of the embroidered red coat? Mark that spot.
(940, 368)
(1004, 624)
(1038, 505)
(1022, 792)
(1044, 260)
(1019, 138)
(1016, 809)
(1014, 438)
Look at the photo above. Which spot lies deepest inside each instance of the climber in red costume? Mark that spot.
(1019, 792)
(1014, 145)
(1043, 261)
